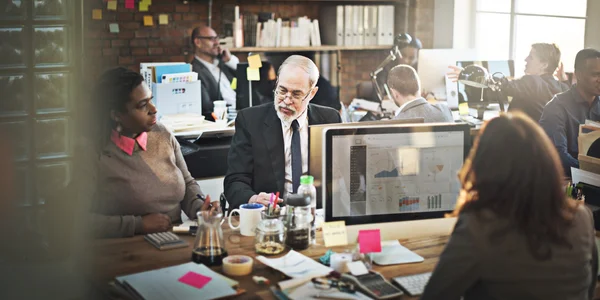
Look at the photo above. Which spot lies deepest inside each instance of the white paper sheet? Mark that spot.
(296, 265)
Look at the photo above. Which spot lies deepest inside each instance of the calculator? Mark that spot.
(374, 285)
(165, 240)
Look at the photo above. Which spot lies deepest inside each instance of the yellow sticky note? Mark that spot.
(234, 83)
(463, 109)
(334, 234)
(143, 6)
(254, 61)
(252, 74)
(97, 14)
(148, 21)
(163, 19)
(111, 5)
(149, 2)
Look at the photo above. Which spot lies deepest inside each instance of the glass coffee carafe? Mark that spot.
(209, 247)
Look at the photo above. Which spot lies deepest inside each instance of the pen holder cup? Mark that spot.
(270, 234)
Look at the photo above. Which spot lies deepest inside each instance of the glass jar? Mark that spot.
(270, 235)
(298, 222)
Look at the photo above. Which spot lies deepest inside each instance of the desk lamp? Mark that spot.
(478, 77)
(401, 41)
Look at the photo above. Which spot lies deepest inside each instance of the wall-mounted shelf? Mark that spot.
(313, 48)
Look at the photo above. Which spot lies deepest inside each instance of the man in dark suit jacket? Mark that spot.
(215, 67)
(269, 150)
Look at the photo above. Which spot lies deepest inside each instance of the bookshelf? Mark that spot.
(311, 48)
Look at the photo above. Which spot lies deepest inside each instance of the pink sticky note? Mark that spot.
(369, 241)
(129, 4)
(194, 279)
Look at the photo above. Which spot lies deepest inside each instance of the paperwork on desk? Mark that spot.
(308, 291)
(296, 265)
(393, 253)
(166, 283)
(578, 175)
(194, 125)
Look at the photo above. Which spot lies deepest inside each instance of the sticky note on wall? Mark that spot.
(111, 5)
(113, 27)
(253, 74)
(148, 21)
(129, 4)
(143, 6)
(254, 61)
(97, 14)
(163, 19)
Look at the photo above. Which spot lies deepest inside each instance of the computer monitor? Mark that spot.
(377, 175)
(472, 95)
(316, 146)
(433, 66)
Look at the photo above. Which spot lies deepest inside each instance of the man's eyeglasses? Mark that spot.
(328, 283)
(211, 38)
(280, 94)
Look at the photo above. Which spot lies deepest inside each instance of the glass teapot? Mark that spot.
(209, 247)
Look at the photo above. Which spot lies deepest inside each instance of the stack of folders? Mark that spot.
(186, 281)
(357, 25)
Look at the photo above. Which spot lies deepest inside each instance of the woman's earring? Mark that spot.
(119, 128)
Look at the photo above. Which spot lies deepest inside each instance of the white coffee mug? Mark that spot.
(249, 218)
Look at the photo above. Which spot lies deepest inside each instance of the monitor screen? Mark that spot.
(393, 174)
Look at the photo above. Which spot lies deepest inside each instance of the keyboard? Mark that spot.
(414, 285)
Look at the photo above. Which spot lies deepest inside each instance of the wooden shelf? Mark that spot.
(314, 48)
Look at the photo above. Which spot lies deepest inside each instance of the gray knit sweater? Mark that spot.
(153, 181)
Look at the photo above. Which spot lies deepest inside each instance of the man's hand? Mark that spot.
(225, 54)
(263, 198)
(453, 73)
(152, 223)
(560, 73)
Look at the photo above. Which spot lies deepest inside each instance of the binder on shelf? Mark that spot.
(348, 26)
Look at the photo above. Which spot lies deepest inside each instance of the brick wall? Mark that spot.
(136, 43)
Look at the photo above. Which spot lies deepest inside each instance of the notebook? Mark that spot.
(164, 284)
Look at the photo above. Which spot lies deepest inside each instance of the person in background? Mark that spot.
(531, 92)
(566, 111)
(143, 183)
(518, 235)
(405, 88)
(215, 67)
(269, 150)
(410, 54)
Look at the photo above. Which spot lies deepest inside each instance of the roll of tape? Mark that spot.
(338, 261)
(237, 265)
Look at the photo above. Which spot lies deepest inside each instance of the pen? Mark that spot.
(214, 116)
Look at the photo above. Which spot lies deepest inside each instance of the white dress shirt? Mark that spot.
(286, 128)
(404, 105)
(227, 93)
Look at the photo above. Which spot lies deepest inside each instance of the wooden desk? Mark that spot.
(115, 257)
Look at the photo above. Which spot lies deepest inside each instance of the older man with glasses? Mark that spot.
(269, 151)
(215, 67)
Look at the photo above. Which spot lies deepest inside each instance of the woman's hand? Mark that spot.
(264, 199)
(211, 206)
(152, 223)
(453, 73)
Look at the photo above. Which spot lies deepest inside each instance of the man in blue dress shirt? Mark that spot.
(566, 111)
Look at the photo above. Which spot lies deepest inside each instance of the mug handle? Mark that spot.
(229, 219)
